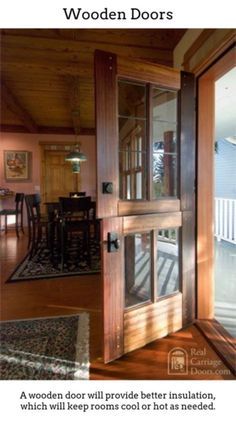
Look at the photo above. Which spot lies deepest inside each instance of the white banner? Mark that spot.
(121, 14)
(24, 401)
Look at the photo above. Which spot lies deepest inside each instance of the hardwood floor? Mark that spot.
(69, 295)
(47, 297)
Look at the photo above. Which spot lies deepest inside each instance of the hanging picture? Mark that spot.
(16, 165)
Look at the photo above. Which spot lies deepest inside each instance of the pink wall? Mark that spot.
(30, 142)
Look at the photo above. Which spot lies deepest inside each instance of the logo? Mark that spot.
(177, 362)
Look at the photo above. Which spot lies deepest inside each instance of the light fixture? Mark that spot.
(76, 156)
(75, 167)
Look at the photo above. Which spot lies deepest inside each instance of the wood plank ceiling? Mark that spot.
(47, 74)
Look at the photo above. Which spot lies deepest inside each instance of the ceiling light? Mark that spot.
(76, 155)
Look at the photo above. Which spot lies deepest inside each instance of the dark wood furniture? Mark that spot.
(37, 224)
(74, 219)
(17, 212)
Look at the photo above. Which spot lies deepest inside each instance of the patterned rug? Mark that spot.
(42, 265)
(45, 348)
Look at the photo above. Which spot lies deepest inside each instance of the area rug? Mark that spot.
(41, 264)
(45, 348)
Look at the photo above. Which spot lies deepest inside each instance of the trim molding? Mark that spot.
(47, 130)
(215, 54)
(203, 37)
(220, 340)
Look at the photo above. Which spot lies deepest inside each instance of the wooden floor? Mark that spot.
(70, 295)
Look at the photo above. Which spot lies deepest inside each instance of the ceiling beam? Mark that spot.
(201, 39)
(72, 51)
(16, 108)
(48, 130)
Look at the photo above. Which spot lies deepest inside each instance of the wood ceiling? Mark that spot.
(47, 74)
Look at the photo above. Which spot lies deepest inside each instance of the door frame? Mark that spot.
(115, 212)
(214, 332)
(46, 146)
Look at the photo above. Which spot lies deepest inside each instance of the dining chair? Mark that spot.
(36, 223)
(17, 212)
(74, 214)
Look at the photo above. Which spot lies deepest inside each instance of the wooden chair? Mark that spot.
(36, 223)
(17, 212)
(75, 219)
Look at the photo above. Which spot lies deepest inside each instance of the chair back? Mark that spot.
(75, 205)
(33, 207)
(19, 200)
(77, 194)
(53, 209)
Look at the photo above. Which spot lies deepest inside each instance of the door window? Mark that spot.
(164, 143)
(146, 271)
(132, 140)
(167, 262)
(147, 122)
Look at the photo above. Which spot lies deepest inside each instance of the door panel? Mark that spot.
(57, 175)
(137, 223)
(141, 207)
(113, 290)
(106, 133)
(147, 282)
(141, 327)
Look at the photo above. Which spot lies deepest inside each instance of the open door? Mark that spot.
(145, 199)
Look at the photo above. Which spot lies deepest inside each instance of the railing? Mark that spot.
(168, 235)
(225, 219)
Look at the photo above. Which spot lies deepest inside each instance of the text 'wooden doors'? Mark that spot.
(145, 198)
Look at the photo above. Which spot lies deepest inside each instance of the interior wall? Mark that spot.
(30, 142)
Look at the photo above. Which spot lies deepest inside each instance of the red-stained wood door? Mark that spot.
(145, 200)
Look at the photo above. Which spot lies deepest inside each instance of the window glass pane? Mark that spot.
(132, 132)
(164, 105)
(128, 187)
(132, 99)
(132, 157)
(167, 262)
(139, 185)
(132, 139)
(164, 130)
(137, 269)
(164, 175)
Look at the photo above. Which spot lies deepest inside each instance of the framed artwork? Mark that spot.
(16, 165)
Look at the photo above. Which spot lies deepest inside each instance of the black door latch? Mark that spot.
(113, 242)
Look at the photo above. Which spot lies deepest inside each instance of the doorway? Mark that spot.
(225, 201)
(57, 177)
(214, 214)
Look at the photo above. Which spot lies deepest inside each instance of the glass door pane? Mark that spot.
(132, 140)
(164, 143)
(137, 269)
(167, 262)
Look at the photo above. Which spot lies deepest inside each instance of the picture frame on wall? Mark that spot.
(17, 166)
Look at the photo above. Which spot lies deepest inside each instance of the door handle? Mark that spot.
(113, 242)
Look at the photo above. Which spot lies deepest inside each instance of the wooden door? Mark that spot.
(57, 176)
(145, 198)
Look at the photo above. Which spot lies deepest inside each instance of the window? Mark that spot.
(147, 122)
